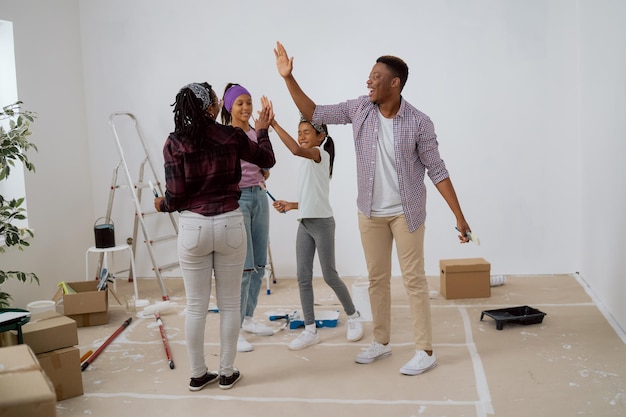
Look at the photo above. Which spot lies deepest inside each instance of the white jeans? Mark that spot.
(212, 246)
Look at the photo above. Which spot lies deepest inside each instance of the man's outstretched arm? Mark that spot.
(284, 64)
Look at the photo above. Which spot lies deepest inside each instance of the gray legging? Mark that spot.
(318, 234)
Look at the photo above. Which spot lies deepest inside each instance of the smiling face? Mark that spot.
(241, 110)
(308, 137)
(381, 83)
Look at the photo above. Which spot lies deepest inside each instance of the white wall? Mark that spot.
(602, 103)
(502, 80)
(496, 77)
(50, 83)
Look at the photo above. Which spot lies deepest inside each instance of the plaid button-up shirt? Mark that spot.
(415, 146)
(204, 178)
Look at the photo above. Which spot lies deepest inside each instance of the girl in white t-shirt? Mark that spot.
(316, 230)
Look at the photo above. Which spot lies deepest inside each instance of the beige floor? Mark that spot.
(572, 364)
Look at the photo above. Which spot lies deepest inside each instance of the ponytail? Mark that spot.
(329, 146)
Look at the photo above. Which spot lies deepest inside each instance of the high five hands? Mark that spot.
(266, 115)
(284, 64)
(265, 102)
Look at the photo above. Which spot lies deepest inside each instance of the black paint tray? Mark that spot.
(520, 315)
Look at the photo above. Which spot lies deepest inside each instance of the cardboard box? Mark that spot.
(88, 307)
(90, 319)
(48, 331)
(62, 366)
(464, 278)
(26, 390)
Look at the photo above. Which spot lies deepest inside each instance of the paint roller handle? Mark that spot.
(168, 354)
(105, 344)
(283, 316)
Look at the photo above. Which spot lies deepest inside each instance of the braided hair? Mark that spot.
(190, 116)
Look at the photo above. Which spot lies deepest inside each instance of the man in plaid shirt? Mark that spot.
(395, 146)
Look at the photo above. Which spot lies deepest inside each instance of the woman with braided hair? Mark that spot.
(202, 173)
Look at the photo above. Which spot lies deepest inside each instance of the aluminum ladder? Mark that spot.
(136, 189)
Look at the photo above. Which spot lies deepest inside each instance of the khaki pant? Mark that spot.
(377, 236)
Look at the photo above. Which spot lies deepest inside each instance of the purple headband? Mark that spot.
(231, 95)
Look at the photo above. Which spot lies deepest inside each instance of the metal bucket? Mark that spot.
(104, 232)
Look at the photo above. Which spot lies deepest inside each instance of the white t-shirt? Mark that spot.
(386, 200)
(314, 188)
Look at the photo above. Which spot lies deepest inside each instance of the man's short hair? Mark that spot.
(398, 67)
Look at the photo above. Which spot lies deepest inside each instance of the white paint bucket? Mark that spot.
(41, 306)
(361, 299)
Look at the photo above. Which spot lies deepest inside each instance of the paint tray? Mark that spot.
(322, 319)
(520, 315)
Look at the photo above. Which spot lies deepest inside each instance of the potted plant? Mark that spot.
(14, 146)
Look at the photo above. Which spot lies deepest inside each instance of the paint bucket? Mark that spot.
(361, 299)
(41, 306)
(104, 232)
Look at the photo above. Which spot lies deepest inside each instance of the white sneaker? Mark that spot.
(355, 328)
(243, 345)
(419, 363)
(304, 340)
(251, 326)
(374, 351)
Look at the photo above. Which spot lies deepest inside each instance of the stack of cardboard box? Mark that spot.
(25, 388)
(53, 338)
(47, 363)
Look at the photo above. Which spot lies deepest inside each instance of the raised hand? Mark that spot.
(265, 102)
(284, 64)
(266, 115)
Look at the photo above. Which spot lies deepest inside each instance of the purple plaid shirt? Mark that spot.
(205, 178)
(416, 150)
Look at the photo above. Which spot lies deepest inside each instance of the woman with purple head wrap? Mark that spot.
(237, 112)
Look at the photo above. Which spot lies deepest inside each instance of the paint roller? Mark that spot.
(159, 307)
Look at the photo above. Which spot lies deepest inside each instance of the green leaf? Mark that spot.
(14, 146)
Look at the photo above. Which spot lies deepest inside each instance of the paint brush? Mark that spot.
(154, 190)
(268, 193)
(471, 236)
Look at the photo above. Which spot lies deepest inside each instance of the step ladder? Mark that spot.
(146, 179)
